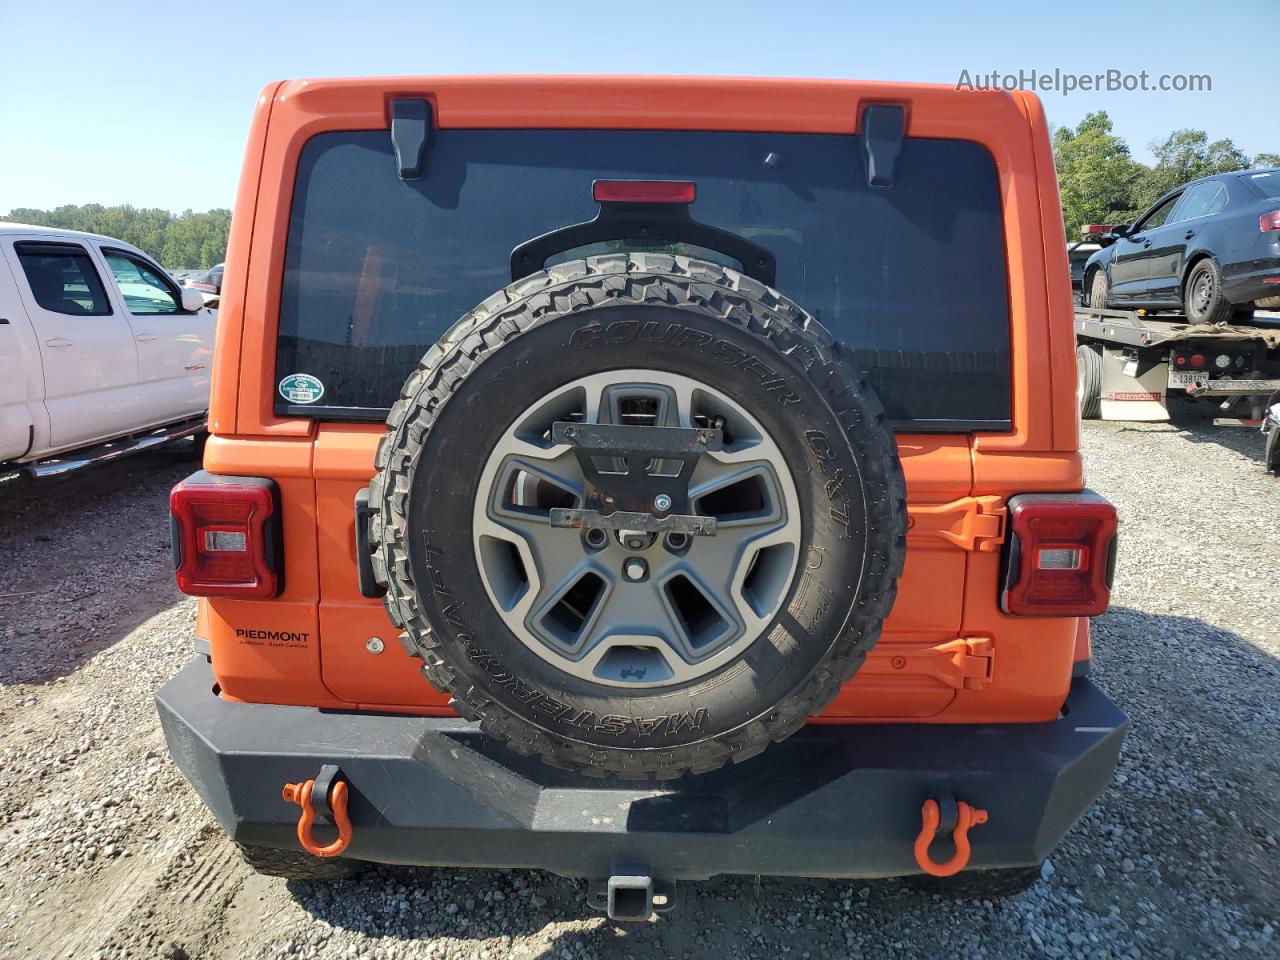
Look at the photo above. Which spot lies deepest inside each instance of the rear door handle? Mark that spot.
(1188, 235)
(145, 337)
(58, 343)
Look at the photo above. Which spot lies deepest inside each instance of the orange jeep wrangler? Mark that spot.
(642, 480)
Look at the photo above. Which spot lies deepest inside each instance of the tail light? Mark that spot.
(1269, 221)
(644, 191)
(226, 536)
(1061, 556)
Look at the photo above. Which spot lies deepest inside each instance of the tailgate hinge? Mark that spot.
(974, 658)
(412, 121)
(883, 127)
(971, 523)
(966, 663)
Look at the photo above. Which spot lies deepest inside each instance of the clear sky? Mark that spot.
(148, 103)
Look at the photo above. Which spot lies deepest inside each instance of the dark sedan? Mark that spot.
(1209, 249)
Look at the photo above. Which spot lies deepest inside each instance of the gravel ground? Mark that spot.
(105, 852)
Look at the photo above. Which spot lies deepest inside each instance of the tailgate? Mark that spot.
(915, 671)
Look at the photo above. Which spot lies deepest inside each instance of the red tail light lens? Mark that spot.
(1269, 221)
(1061, 557)
(226, 536)
(644, 191)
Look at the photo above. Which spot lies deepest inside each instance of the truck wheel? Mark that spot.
(1202, 295)
(1098, 290)
(978, 884)
(1089, 380)
(537, 574)
(296, 865)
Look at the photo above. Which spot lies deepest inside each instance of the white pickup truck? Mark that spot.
(101, 353)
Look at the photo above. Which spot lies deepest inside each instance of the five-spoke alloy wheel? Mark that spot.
(636, 607)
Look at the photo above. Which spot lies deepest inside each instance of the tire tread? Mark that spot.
(683, 283)
(296, 865)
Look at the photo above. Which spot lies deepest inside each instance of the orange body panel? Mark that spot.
(1084, 642)
(947, 654)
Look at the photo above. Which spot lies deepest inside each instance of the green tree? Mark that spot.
(1097, 177)
(189, 240)
(1266, 160)
(1187, 155)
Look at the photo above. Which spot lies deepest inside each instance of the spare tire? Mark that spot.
(691, 563)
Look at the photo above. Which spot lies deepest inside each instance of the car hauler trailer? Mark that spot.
(1129, 363)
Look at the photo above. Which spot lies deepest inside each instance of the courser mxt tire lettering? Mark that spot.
(695, 320)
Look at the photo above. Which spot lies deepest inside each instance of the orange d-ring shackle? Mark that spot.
(931, 816)
(300, 793)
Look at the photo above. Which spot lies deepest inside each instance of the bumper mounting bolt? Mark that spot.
(374, 645)
(662, 503)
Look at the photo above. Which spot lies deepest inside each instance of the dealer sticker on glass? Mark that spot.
(301, 388)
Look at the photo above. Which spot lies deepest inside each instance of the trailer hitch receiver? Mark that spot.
(631, 897)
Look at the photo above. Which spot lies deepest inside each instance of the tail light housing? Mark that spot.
(1061, 555)
(1269, 221)
(226, 536)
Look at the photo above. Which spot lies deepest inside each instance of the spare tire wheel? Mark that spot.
(638, 516)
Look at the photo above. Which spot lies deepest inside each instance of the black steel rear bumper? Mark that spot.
(832, 801)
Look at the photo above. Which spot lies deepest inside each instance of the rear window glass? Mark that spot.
(911, 278)
(62, 279)
(1267, 184)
